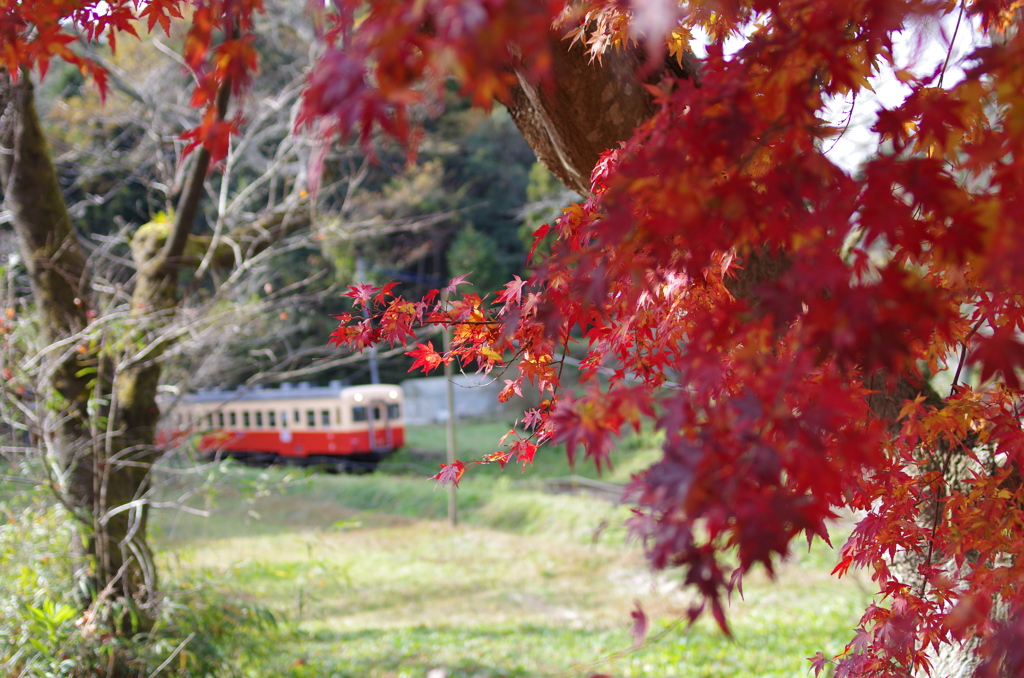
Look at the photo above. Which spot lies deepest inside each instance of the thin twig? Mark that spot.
(174, 654)
(952, 41)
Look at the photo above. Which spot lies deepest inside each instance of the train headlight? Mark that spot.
(392, 394)
(358, 397)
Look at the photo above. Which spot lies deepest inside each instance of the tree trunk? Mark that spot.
(62, 291)
(104, 461)
(103, 467)
(592, 107)
(100, 384)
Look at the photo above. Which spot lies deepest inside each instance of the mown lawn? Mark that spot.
(367, 579)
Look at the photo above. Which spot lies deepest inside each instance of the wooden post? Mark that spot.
(453, 513)
(372, 352)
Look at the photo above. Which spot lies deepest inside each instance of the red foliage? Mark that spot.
(218, 46)
(908, 267)
(385, 56)
(450, 474)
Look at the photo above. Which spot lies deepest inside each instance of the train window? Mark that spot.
(233, 419)
(259, 420)
(325, 418)
(376, 413)
(311, 418)
(296, 419)
(209, 421)
(220, 419)
(271, 418)
(245, 420)
(359, 413)
(394, 411)
(284, 420)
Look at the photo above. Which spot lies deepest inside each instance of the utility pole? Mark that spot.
(372, 351)
(453, 513)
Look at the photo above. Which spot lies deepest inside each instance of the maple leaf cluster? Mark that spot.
(218, 46)
(785, 399)
(386, 56)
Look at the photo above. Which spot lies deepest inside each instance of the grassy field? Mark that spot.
(367, 579)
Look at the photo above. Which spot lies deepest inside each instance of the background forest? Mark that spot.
(468, 203)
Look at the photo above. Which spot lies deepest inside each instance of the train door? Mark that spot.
(285, 433)
(380, 426)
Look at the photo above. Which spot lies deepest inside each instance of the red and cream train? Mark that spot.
(347, 428)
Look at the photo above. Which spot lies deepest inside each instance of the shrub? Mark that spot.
(200, 631)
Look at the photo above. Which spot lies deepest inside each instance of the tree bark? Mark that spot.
(61, 288)
(104, 464)
(591, 107)
(103, 468)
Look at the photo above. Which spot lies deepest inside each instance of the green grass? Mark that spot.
(426, 445)
(398, 601)
(370, 580)
(274, 501)
(269, 501)
(546, 650)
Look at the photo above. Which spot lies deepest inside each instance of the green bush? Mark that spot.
(200, 632)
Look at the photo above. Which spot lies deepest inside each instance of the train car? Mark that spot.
(340, 428)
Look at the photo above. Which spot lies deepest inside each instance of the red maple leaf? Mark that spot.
(160, 12)
(818, 662)
(361, 292)
(450, 474)
(386, 290)
(532, 418)
(200, 33)
(524, 451)
(1003, 353)
(639, 629)
(426, 357)
(512, 294)
(213, 134)
(455, 282)
(538, 236)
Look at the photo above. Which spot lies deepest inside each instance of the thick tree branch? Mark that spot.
(188, 203)
(591, 107)
(49, 248)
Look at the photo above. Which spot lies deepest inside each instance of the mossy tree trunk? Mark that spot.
(63, 296)
(99, 388)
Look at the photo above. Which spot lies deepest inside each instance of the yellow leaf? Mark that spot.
(490, 353)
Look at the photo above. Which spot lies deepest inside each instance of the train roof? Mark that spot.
(300, 391)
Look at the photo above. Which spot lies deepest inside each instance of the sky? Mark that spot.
(921, 49)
